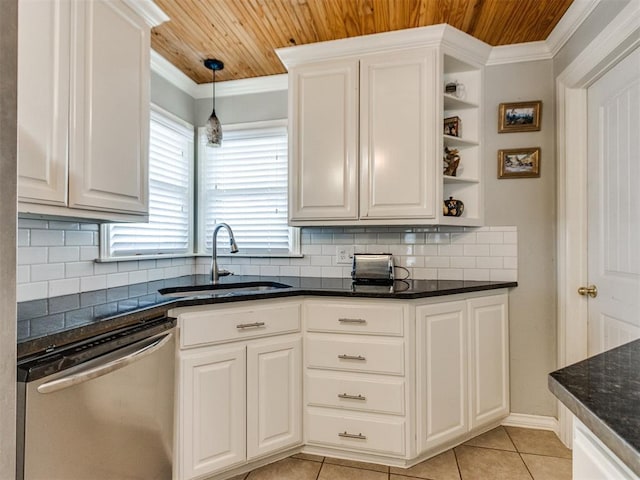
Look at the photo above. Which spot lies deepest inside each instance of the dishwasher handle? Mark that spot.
(100, 370)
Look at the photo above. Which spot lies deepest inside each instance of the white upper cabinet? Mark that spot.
(83, 107)
(324, 178)
(43, 100)
(398, 141)
(366, 128)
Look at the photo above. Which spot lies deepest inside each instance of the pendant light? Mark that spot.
(214, 130)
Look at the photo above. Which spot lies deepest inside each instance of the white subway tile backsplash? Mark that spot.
(79, 269)
(117, 279)
(23, 274)
(96, 282)
(477, 250)
(89, 253)
(47, 238)
(23, 237)
(490, 237)
(79, 238)
(63, 287)
(57, 258)
(64, 254)
(32, 255)
(32, 291)
(47, 271)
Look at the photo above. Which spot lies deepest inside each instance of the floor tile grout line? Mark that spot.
(526, 466)
(455, 456)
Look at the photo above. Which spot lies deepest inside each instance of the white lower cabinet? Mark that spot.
(384, 381)
(212, 410)
(240, 400)
(462, 367)
(593, 460)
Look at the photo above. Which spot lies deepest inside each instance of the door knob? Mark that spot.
(591, 290)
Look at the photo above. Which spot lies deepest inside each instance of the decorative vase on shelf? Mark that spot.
(452, 207)
(451, 161)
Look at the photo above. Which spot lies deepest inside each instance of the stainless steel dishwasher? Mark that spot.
(99, 409)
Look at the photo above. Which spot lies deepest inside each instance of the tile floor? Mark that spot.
(504, 453)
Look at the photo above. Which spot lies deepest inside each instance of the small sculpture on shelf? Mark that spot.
(451, 161)
(452, 207)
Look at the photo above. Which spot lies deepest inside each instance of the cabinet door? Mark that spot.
(441, 372)
(109, 108)
(398, 135)
(274, 395)
(323, 159)
(489, 350)
(43, 100)
(211, 406)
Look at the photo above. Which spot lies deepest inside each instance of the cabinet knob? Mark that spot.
(591, 290)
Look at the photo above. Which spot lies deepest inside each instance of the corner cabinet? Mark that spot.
(462, 368)
(239, 392)
(83, 108)
(366, 137)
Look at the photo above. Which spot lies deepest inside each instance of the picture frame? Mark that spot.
(519, 163)
(452, 126)
(519, 117)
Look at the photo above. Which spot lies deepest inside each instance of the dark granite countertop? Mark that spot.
(61, 320)
(604, 393)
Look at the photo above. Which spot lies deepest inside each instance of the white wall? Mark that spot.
(530, 205)
(8, 89)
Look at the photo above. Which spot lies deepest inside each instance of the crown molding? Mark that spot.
(172, 74)
(577, 12)
(149, 11)
(246, 86)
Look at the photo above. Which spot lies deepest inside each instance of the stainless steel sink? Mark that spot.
(224, 289)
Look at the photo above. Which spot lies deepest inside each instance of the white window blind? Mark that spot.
(244, 183)
(170, 195)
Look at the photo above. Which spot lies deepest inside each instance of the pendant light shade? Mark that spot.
(213, 127)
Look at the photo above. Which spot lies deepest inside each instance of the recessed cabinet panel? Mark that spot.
(442, 370)
(110, 108)
(274, 395)
(323, 166)
(43, 100)
(212, 413)
(489, 339)
(398, 140)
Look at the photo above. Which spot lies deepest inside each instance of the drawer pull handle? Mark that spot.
(352, 320)
(351, 397)
(351, 357)
(250, 325)
(359, 436)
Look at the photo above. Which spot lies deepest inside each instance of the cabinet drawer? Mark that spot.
(352, 318)
(385, 435)
(227, 325)
(355, 392)
(343, 352)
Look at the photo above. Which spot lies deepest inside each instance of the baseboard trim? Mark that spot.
(539, 422)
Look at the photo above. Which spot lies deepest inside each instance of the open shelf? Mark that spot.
(451, 141)
(450, 179)
(455, 103)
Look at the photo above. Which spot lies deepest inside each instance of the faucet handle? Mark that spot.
(223, 272)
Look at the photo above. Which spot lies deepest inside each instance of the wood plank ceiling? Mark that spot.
(244, 33)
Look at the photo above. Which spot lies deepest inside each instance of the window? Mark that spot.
(244, 183)
(169, 230)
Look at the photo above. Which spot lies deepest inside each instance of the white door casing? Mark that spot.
(614, 205)
(621, 36)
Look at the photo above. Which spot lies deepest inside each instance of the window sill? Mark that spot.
(192, 255)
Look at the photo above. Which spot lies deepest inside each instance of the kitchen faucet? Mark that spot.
(215, 273)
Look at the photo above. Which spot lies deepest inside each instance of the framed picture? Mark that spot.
(519, 163)
(452, 126)
(519, 117)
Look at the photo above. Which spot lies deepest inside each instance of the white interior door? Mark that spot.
(614, 205)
